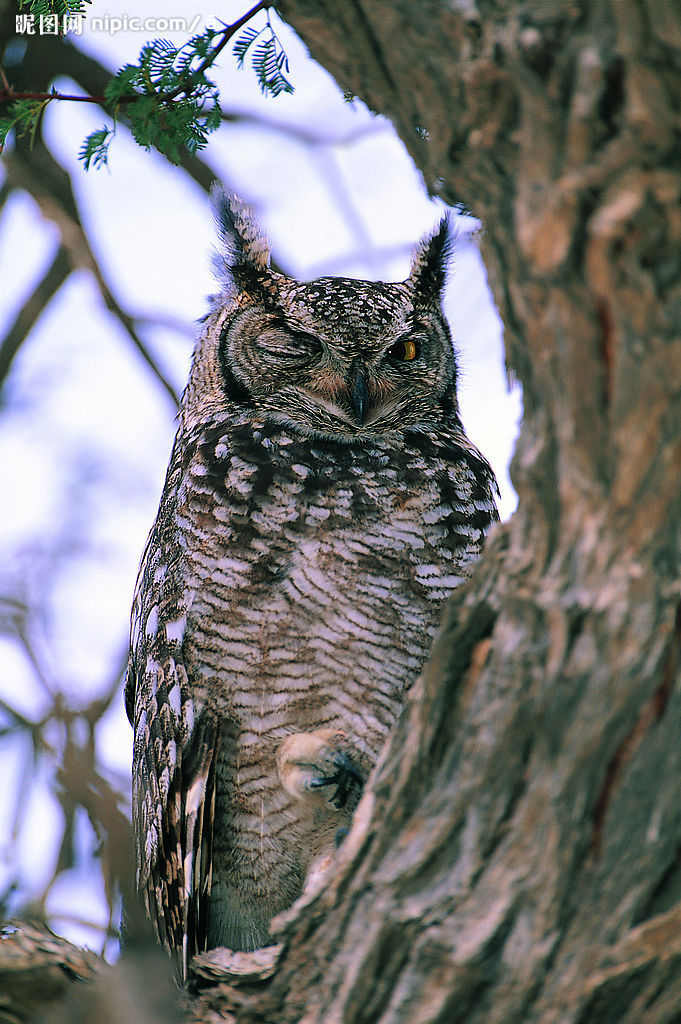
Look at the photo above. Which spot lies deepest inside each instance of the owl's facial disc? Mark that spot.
(381, 388)
(347, 381)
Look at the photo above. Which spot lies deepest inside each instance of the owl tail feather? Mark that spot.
(197, 838)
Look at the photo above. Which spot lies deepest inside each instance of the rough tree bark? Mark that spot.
(518, 855)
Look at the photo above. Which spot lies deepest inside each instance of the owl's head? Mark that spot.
(334, 357)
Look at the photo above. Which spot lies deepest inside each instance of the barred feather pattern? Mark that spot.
(293, 580)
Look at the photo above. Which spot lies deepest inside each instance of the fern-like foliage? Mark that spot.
(23, 118)
(166, 98)
(55, 8)
(269, 59)
(243, 43)
(95, 150)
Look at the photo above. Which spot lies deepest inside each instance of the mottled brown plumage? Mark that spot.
(322, 502)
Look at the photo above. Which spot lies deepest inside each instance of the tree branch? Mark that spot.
(32, 309)
(36, 170)
(10, 95)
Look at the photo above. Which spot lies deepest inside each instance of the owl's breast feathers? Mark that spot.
(260, 484)
(289, 583)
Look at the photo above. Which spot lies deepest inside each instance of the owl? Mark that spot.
(321, 504)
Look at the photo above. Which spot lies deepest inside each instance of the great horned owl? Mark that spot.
(322, 502)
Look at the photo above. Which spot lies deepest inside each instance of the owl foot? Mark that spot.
(311, 761)
(344, 778)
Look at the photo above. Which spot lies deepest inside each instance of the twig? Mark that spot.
(10, 95)
(228, 33)
(306, 136)
(170, 323)
(106, 929)
(31, 310)
(128, 323)
(93, 711)
(43, 171)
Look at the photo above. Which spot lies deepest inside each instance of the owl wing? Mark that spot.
(483, 474)
(175, 744)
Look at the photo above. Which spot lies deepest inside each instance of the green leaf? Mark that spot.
(269, 59)
(243, 43)
(123, 84)
(5, 128)
(59, 9)
(169, 100)
(23, 117)
(95, 149)
(214, 118)
(159, 58)
(201, 43)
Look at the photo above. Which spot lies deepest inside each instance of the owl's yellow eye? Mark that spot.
(404, 350)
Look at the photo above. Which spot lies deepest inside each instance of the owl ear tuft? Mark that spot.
(243, 244)
(430, 260)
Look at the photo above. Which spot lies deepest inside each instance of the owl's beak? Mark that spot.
(358, 392)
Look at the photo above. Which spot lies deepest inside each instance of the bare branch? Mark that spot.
(306, 135)
(10, 95)
(34, 306)
(36, 170)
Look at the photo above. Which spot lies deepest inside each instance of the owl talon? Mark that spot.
(344, 778)
(309, 762)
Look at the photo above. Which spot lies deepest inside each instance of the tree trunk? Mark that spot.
(518, 856)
